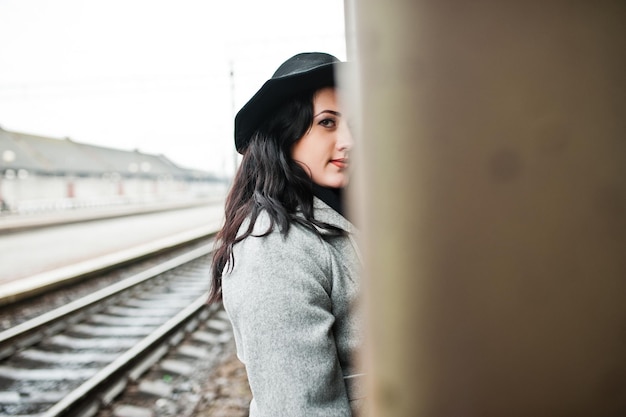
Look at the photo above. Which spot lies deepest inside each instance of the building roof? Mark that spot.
(52, 156)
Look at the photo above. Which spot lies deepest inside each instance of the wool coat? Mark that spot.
(293, 304)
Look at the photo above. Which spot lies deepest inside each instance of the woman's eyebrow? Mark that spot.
(333, 112)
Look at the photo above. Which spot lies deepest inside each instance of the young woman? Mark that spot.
(286, 265)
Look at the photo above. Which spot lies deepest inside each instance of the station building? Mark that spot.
(40, 173)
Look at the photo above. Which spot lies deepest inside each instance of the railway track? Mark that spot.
(76, 359)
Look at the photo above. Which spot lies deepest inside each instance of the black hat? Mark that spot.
(305, 71)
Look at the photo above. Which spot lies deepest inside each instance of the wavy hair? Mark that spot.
(269, 180)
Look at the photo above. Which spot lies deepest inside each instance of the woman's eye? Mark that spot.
(327, 123)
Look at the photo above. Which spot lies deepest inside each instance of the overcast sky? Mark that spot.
(152, 75)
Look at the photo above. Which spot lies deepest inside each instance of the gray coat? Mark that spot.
(292, 304)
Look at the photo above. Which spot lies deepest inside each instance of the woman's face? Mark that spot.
(323, 150)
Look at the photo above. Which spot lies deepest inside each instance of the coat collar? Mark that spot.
(324, 213)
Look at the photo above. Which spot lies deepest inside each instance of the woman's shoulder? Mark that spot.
(267, 238)
(265, 226)
(300, 253)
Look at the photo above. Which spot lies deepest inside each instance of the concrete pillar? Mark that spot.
(494, 207)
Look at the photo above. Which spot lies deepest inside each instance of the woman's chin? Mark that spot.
(334, 182)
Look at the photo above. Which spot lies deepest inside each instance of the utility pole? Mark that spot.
(234, 112)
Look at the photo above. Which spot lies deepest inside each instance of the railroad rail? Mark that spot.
(76, 359)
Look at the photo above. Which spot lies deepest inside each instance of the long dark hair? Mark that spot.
(269, 180)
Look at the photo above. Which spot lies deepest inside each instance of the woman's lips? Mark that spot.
(341, 163)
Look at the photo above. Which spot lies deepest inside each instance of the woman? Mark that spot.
(286, 264)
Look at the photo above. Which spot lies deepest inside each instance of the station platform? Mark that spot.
(43, 251)
(20, 222)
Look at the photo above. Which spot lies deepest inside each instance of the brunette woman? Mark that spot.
(286, 264)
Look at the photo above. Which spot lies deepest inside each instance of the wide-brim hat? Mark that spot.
(304, 71)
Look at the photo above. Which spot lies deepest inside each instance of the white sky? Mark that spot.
(151, 75)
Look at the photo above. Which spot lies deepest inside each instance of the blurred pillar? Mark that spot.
(495, 206)
(70, 187)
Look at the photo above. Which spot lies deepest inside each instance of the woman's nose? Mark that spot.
(345, 141)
